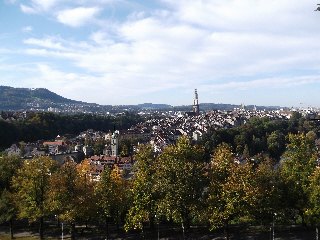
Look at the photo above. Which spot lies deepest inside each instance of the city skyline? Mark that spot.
(131, 52)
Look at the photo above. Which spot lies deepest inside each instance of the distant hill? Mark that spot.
(221, 106)
(41, 98)
(18, 98)
(153, 106)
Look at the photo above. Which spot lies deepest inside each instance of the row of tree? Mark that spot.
(177, 185)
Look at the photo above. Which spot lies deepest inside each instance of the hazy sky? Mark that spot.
(263, 52)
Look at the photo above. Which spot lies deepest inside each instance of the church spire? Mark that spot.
(195, 107)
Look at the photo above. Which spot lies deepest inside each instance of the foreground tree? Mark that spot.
(231, 192)
(120, 194)
(32, 186)
(180, 181)
(104, 196)
(312, 212)
(266, 180)
(71, 193)
(9, 167)
(299, 164)
(144, 196)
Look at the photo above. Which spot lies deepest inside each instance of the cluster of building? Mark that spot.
(158, 132)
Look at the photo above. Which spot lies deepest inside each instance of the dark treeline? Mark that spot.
(46, 125)
(260, 136)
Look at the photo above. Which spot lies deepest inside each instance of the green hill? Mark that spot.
(19, 98)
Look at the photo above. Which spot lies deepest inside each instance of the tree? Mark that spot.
(246, 151)
(98, 147)
(180, 181)
(104, 196)
(240, 142)
(71, 193)
(276, 144)
(112, 194)
(32, 186)
(120, 194)
(124, 173)
(64, 194)
(312, 212)
(126, 145)
(299, 164)
(144, 195)
(86, 209)
(46, 148)
(266, 180)
(231, 192)
(8, 207)
(312, 135)
(125, 151)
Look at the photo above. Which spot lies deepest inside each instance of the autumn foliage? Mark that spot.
(177, 185)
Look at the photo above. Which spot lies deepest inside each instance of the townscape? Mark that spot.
(160, 133)
(159, 119)
(211, 168)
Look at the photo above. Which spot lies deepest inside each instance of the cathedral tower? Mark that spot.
(115, 144)
(195, 107)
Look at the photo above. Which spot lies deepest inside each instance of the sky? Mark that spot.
(121, 52)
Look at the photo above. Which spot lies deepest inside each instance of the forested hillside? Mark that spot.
(39, 126)
(16, 98)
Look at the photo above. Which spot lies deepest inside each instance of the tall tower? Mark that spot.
(115, 144)
(195, 107)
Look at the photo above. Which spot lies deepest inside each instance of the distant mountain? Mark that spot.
(41, 99)
(18, 98)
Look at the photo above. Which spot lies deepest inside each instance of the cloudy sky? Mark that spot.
(262, 52)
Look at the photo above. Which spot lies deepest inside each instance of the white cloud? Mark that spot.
(78, 16)
(27, 29)
(190, 43)
(156, 53)
(45, 4)
(27, 10)
(38, 6)
(102, 38)
(47, 43)
(266, 83)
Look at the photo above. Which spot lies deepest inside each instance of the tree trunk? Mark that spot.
(226, 229)
(188, 224)
(107, 228)
(151, 222)
(303, 222)
(58, 221)
(270, 232)
(317, 232)
(142, 230)
(41, 228)
(183, 231)
(11, 229)
(117, 220)
(73, 231)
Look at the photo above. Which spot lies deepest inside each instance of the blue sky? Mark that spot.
(262, 52)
